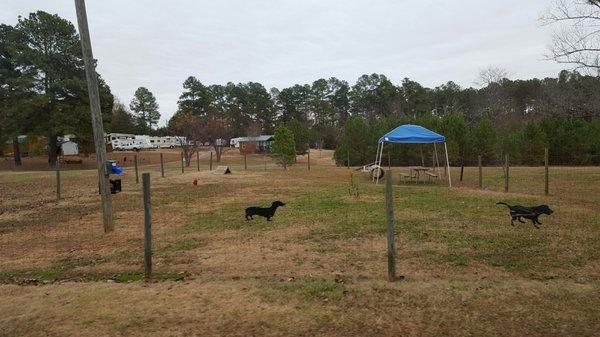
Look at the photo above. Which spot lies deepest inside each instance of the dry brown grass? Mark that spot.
(317, 269)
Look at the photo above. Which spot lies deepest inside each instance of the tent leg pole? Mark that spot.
(379, 162)
(448, 165)
(376, 159)
(437, 161)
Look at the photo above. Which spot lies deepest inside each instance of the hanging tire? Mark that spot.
(377, 171)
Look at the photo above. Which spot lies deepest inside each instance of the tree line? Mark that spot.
(515, 117)
(43, 92)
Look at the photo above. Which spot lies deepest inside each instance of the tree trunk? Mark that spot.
(217, 152)
(52, 149)
(17, 152)
(187, 154)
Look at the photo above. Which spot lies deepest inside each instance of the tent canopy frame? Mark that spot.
(410, 134)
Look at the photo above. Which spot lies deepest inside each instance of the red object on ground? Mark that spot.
(195, 182)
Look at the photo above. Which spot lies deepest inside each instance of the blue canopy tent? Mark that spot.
(410, 134)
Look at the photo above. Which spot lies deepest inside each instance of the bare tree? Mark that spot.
(491, 74)
(187, 128)
(577, 41)
(214, 131)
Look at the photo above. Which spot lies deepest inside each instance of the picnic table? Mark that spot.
(418, 170)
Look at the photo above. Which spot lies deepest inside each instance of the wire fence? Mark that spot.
(528, 179)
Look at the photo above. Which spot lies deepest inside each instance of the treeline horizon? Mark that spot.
(43, 92)
(515, 117)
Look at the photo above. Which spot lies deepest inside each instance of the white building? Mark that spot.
(69, 148)
(235, 142)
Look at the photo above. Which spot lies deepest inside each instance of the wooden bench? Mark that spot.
(406, 176)
(431, 175)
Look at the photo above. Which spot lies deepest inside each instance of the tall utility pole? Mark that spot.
(92, 84)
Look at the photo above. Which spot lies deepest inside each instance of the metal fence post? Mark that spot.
(506, 168)
(546, 175)
(162, 166)
(147, 225)
(480, 172)
(135, 163)
(58, 178)
(391, 241)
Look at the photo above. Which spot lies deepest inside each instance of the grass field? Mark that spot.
(319, 268)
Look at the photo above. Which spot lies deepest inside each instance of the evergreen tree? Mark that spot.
(49, 49)
(145, 110)
(482, 138)
(122, 121)
(284, 145)
(301, 136)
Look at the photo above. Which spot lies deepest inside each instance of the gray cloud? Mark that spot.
(158, 44)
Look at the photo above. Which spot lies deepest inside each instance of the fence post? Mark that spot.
(210, 162)
(309, 158)
(198, 159)
(162, 166)
(147, 225)
(265, 159)
(546, 177)
(135, 163)
(182, 161)
(58, 178)
(245, 161)
(348, 158)
(506, 167)
(480, 172)
(391, 241)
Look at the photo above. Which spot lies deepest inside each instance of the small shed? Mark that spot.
(69, 148)
(254, 145)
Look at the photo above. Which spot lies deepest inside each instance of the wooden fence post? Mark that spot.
(348, 158)
(506, 167)
(182, 161)
(210, 162)
(135, 163)
(198, 159)
(309, 158)
(245, 161)
(162, 166)
(58, 178)
(265, 159)
(480, 172)
(391, 241)
(147, 225)
(98, 129)
(546, 177)
(462, 167)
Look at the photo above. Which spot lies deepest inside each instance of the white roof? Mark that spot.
(263, 138)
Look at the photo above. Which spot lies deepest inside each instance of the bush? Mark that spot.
(284, 146)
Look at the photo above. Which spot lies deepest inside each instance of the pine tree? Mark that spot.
(145, 110)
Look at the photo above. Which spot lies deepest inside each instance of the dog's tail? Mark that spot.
(502, 203)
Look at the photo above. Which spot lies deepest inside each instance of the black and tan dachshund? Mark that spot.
(518, 212)
(267, 212)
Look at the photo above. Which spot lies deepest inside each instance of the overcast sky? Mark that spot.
(158, 44)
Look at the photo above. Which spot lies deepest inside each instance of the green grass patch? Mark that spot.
(181, 245)
(304, 290)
